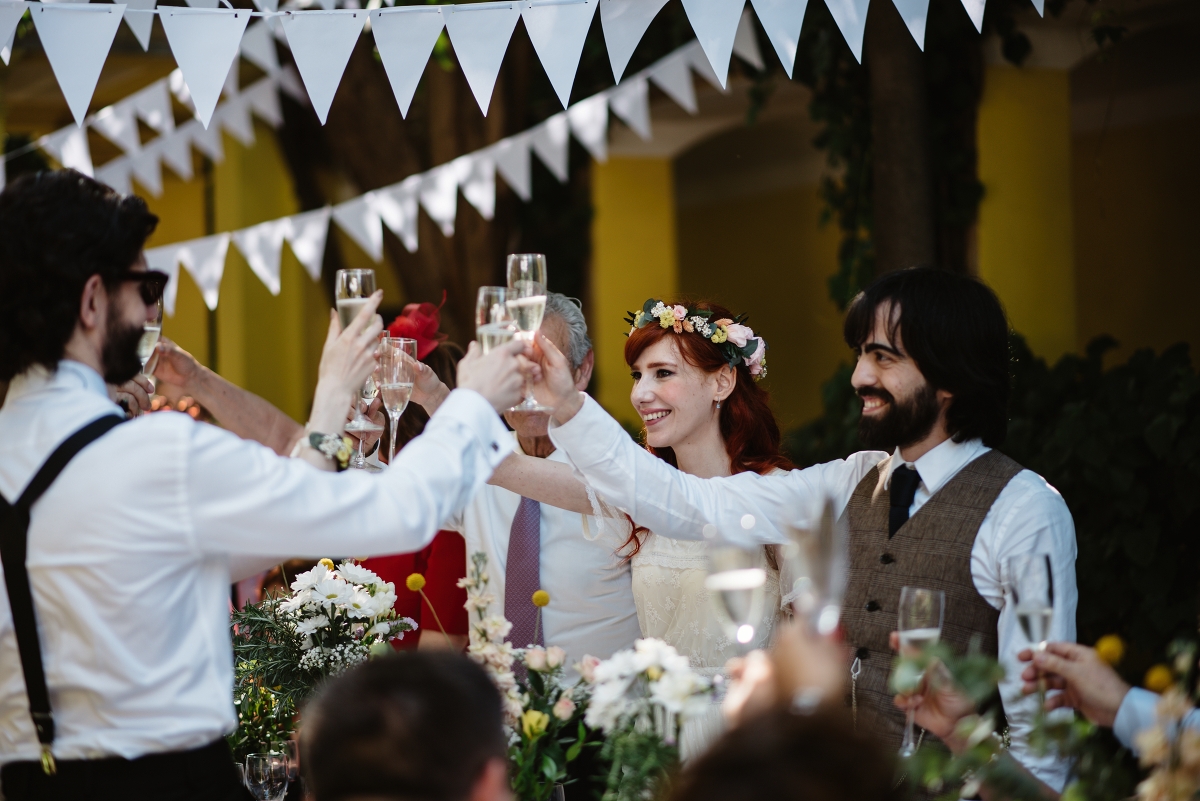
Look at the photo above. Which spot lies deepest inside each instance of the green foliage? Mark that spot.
(542, 758)
(640, 764)
(264, 713)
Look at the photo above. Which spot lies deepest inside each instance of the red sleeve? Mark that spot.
(446, 564)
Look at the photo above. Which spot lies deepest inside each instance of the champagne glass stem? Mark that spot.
(907, 748)
(394, 419)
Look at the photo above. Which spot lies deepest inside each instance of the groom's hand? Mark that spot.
(499, 376)
(557, 385)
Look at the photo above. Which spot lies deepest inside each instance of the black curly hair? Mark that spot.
(57, 230)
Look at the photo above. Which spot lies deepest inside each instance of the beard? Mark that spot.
(120, 351)
(903, 423)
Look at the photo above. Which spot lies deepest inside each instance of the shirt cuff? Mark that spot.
(470, 409)
(1137, 713)
(584, 437)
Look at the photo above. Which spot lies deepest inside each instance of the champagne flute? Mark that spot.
(736, 584)
(354, 290)
(1031, 582)
(396, 370)
(267, 776)
(494, 325)
(920, 626)
(814, 570)
(526, 301)
(150, 334)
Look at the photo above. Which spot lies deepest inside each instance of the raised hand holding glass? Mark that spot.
(397, 367)
(920, 625)
(354, 289)
(526, 301)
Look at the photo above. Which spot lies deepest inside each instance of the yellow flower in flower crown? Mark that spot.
(541, 598)
(719, 335)
(666, 318)
(327, 562)
(415, 582)
(534, 723)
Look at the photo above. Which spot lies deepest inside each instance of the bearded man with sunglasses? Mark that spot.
(119, 542)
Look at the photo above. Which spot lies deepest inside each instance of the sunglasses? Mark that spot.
(151, 284)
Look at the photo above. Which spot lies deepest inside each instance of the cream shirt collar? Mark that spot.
(71, 375)
(940, 464)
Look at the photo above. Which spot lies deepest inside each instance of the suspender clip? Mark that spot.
(48, 765)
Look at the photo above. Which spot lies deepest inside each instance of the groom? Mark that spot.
(935, 506)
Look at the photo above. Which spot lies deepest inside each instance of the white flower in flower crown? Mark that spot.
(739, 334)
(332, 591)
(357, 574)
(310, 624)
(310, 578)
(658, 309)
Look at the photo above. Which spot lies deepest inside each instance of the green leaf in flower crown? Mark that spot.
(648, 306)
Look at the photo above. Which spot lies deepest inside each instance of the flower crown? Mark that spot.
(736, 342)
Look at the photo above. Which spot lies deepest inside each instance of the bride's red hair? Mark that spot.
(748, 428)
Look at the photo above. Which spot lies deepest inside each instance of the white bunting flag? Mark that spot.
(118, 124)
(69, 147)
(76, 39)
(397, 207)
(716, 24)
(306, 234)
(1040, 7)
(10, 15)
(557, 31)
(153, 106)
(207, 140)
(631, 102)
(204, 43)
(672, 75)
(116, 174)
(439, 196)
(589, 123)
(851, 19)
(512, 161)
(266, 5)
(176, 151)
(359, 219)
(914, 13)
(745, 42)
(205, 260)
(165, 260)
(262, 245)
(405, 38)
(234, 116)
(329, 5)
(477, 180)
(624, 23)
(147, 168)
(258, 47)
(6, 49)
(480, 34)
(975, 12)
(204, 3)
(321, 43)
(550, 141)
(694, 54)
(179, 89)
(140, 20)
(263, 98)
(782, 20)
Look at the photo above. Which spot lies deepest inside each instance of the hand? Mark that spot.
(498, 376)
(428, 390)
(374, 413)
(134, 394)
(938, 704)
(346, 361)
(177, 367)
(752, 687)
(556, 387)
(1087, 682)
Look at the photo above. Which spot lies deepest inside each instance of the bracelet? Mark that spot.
(333, 447)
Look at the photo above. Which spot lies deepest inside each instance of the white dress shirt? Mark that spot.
(130, 551)
(1028, 516)
(1138, 713)
(591, 607)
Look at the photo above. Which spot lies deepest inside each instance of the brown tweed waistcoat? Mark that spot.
(931, 550)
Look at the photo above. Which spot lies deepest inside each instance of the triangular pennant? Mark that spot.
(6, 49)
(589, 123)
(439, 196)
(153, 106)
(782, 20)
(631, 102)
(148, 169)
(258, 47)
(293, 87)
(914, 14)
(695, 57)
(512, 160)
(76, 39)
(405, 38)
(116, 174)
(975, 12)
(118, 124)
(69, 147)
(204, 3)
(671, 74)
(625, 22)
(204, 43)
(359, 219)
(263, 98)
(10, 15)
(321, 43)
(550, 142)
(234, 116)
(306, 234)
(205, 260)
(176, 151)
(327, 5)
(477, 181)
(207, 140)
(166, 260)
(851, 19)
(140, 20)
(262, 245)
(266, 5)
(179, 89)
(716, 23)
(745, 42)
(397, 207)
(557, 31)
(480, 34)
(1040, 7)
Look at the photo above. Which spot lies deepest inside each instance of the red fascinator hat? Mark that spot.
(420, 321)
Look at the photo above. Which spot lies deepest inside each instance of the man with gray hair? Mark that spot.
(532, 546)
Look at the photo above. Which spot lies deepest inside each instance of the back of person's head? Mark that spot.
(570, 311)
(781, 754)
(57, 230)
(418, 726)
(954, 329)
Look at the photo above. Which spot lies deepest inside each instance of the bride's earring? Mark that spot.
(718, 404)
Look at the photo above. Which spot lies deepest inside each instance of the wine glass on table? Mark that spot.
(1031, 583)
(526, 301)
(267, 776)
(494, 325)
(151, 331)
(354, 290)
(397, 364)
(920, 626)
(736, 585)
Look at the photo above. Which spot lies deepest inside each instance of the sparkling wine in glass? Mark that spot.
(397, 364)
(814, 570)
(267, 776)
(920, 626)
(494, 325)
(1031, 584)
(151, 331)
(354, 289)
(736, 584)
(526, 302)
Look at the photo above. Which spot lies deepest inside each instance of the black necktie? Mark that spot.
(903, 490)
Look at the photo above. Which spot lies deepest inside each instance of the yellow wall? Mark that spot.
(1026, 248)
(633, 258)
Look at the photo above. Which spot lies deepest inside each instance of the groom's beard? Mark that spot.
(903, 423)
(120, 352)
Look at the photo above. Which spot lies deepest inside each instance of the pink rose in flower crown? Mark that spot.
(755, 360)
(739, 334)
(564, 709)
(679, 311)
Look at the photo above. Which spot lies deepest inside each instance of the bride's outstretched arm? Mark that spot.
(543, 481)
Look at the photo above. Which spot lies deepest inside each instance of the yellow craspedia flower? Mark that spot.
(720, 335)
(1159, 679)
(1110, 648)
(534, 723)
(666, 319)
(541, 598)
(415, 582)
(327, 562)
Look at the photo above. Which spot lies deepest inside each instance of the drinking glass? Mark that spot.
(494, 325)
(1030, 579)
(267, 776)
(293, 761)
(150, 334)
(814, 570)
(354, 288)
(736, 584)
(920, 626)
(397, 362)
(526, 301)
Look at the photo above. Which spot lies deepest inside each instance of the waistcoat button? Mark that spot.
(886, 558)
(873, 606)
(863, 653)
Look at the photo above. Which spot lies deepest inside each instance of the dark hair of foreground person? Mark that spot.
(782, 754)
(416, 725)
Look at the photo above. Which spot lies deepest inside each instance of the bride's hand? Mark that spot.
(556, 385)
